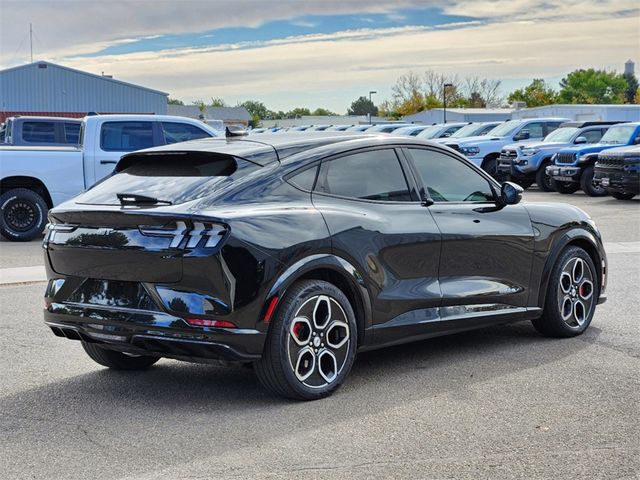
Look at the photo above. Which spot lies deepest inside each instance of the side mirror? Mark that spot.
(510, 193)
(580, 140)
(523, 135)
(636, 141)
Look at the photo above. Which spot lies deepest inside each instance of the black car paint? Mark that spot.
(411, 270)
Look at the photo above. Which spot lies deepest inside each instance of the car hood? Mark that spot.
(538, 145)
(593, 148)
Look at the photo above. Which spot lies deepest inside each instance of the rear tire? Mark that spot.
(571, 297)
(311, 344)
(23, 214)
(622, 196)
(565, 188)
(117, 360)
(542, 179)
(586, 183)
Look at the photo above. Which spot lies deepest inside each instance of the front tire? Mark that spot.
(23, 214)
(587, 185)
(311, 344)
(490, 165)
(572, 295)
(542, 179)
(117, 360)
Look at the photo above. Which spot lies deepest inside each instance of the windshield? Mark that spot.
(430, 132)
(563, 134)
(618, 134)
(505, 129)
(470, 130)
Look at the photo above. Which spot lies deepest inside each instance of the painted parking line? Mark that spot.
(11, 276)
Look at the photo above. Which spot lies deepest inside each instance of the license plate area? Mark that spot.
(113, 293)
(605, 182)
(563, 179)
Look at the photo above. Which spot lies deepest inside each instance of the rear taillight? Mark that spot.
(205, 322)
(212, 232)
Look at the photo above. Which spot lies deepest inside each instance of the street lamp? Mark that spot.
(371, 92)
(444, 99)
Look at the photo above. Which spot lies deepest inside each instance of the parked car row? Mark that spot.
(555, 153)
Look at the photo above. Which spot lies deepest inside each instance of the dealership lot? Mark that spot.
(495, 403)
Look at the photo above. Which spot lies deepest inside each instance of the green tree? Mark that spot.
(218, 102)
(298, 112)
(592, 86)
(632, 88)
(536, 94)
(256, 109)
(322, 112)
(363, 106)
(174, 101)
(201, 105)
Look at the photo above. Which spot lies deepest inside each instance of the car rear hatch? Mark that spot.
(138, 224)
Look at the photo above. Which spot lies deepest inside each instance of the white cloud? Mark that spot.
(291, 70)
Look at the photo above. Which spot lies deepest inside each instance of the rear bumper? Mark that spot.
(152, 333)
(564, 173)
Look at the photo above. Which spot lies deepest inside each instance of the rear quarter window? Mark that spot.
(126, 136)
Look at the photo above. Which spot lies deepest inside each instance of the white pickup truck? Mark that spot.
(35, 179)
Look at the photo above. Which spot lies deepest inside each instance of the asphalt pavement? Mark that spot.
(501, 402)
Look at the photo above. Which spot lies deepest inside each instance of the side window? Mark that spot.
(39, 132)
(175, 132)
(551, 126)
(305, 179)
(448, 179)
(592, 136)
(126, 136)
(72, 133)
(536, 130)
(449, 131)
(373, 175)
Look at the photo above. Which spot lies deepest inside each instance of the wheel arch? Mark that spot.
(578, 238)
(30, 183)
(332, 269)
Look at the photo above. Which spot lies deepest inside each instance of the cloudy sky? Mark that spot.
(313, 53)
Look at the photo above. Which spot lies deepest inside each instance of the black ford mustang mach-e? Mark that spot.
(295, 251)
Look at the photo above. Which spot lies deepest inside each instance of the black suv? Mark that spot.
(295, 251)
(617, 170)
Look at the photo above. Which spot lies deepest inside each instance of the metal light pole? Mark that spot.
(444, 99)
(371, 92)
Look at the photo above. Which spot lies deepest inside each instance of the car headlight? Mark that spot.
(470, 151)
(529, 152)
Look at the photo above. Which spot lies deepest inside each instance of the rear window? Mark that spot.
(39, 132)
(126, 136)
(175, 177)
(72, 133)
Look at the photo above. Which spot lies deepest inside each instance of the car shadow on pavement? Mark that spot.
(175, 403)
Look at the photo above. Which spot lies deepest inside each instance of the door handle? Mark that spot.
(108, 162)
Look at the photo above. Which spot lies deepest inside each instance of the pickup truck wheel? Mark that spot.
(622, 196)
(565, 187)
(23, 215)
(542, 179)
(490, 165)
(586, 183)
